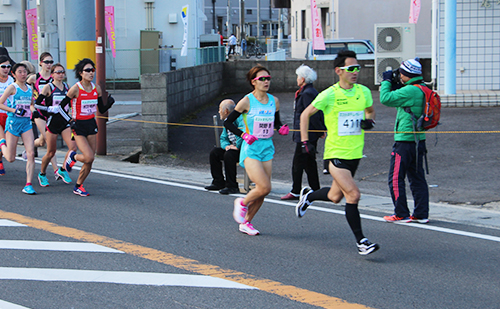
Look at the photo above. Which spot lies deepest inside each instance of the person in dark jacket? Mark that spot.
(304, 162)
(409, 147)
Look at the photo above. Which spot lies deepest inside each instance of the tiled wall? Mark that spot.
(478, 45)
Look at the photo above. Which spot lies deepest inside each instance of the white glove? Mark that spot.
(54, 109)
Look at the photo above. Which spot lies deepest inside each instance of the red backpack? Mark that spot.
(432, 109)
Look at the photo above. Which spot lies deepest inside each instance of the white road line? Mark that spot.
(118, 277)
(340, 212)
(55, 246)
(7, 305)
(5, 222)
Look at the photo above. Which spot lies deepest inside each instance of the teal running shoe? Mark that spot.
(60, 174)
(42, 179)
(29, 190)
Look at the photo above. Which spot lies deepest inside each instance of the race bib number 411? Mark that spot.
(350, 123)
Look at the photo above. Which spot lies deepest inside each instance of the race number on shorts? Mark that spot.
(350, 123)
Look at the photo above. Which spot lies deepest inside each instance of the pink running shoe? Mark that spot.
(248, 228)
(240, 211)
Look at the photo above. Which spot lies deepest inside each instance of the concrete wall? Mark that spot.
(283, 73)
(168, 97)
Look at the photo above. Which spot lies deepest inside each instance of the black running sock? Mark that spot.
(77, 185)
(320, 195)
(354, 220)
(42, 174)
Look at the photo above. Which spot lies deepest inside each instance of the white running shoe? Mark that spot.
(239, 211)
(248, 228)
(301, 208)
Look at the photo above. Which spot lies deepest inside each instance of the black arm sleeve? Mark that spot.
(229, 123)
(38, 103)
(100, 105)
(65, 102)
(277, 120)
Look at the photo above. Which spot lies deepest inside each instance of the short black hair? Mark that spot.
(342, 56)
(17, 65)
(80, 65)
(4, 58)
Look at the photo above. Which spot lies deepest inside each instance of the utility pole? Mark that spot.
(258, 20)
(213, 15)
(100, 48)
(48, 38)
(228, 19)
(24, 33)
(242, 19)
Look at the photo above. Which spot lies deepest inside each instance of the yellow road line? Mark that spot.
(270, 286)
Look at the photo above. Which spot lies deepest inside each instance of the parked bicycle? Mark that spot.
(254, 50)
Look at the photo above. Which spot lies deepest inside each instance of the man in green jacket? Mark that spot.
(409, 147)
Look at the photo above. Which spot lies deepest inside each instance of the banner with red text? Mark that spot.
(32, 33)
(318, 40)
(414, 11)
(109, 20)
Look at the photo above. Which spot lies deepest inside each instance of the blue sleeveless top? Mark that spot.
(20, 99)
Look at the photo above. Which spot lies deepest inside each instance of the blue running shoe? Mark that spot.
(2, 170)
(60, 174)
(42, 179)
(80, 191)
(70, 161)
(29, 190)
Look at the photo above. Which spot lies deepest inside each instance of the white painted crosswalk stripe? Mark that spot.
(55, 246)
(7, 305)
(5, 222)
(117, 277)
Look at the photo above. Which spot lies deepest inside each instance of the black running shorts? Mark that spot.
(351, 165)
(85, 127)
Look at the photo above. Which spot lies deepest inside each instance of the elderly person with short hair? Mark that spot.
(305, 162)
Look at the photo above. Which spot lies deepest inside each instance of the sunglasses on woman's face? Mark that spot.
(48, 61)
(59, 72)
(263, 78)
(5, 66)
(89, 70)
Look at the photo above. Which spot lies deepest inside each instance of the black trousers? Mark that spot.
(407, 162)
(230, 159)
(304, 162)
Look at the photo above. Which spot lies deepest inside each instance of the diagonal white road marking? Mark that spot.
(118, 277)
(54, 246)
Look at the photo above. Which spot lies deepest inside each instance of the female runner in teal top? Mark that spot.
(260, 112)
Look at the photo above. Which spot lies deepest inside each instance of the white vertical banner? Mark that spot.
(414, 11)
(318, 40)
(184, 14)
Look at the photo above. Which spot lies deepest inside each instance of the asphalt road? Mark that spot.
(164, 228)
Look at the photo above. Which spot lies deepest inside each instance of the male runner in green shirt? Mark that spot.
(348, 111)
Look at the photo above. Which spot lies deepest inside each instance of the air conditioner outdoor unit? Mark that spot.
(394, 43)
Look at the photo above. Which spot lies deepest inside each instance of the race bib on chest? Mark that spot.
(350, 123)
(24, 104)
(263, 126)
(57, 99)
(89, 107)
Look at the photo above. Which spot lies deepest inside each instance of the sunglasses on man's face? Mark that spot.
(89, 70)
(5, 66)
(263, 78)
(352, 68)
(48, 61)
